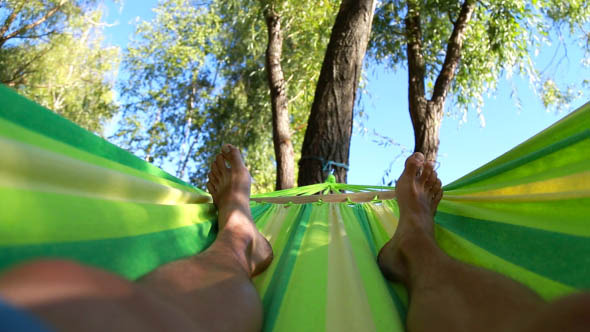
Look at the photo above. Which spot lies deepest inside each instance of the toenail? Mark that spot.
(418, 155)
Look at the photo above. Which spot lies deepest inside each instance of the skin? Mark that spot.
(213, 291)
(447, 295)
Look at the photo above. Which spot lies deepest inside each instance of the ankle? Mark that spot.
(237, 241)
(416, 247)
(234, 214)
(413, 243)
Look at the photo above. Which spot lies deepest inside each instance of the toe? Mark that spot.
(211, 188)
(426, 173)
(233, 156)
(220, 165)
(437, 191)
(213, 177)
(214, 168)
(437, 186)
(438, 196)
(431, 182)
(413, 164)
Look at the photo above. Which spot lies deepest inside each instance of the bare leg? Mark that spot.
(447, 295)
(209, 292)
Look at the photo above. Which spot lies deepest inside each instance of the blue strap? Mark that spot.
(326, 164)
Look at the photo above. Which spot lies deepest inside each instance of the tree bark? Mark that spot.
(281, 131)
(329, 129)
(427, 114)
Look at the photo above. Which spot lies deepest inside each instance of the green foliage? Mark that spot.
(60, 63)
(197, 80)
(500, 40)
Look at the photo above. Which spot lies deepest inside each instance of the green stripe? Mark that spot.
(373, 280)
(30, 115)
(520, 161)
(362, 218)
(468, 252)
(257, 211)
(130, 257)
(568, 216)
(571, 124)
(560, 257)
(273, 298)
(371, 219)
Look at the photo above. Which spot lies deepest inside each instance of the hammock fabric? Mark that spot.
(67, 193)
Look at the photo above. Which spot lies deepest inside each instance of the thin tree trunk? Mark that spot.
(426, 120)
(329, 129)
(281, 131)
(427, 114)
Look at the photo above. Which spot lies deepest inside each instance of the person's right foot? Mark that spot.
(230, 188)
(418, 192)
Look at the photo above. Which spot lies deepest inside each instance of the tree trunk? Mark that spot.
(426, 114)
(426, 120)
(281, 132)
(329, 128)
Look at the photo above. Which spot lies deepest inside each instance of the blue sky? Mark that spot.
(464, 145)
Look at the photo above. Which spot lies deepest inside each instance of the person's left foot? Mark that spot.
(418, 193)
(229, 184)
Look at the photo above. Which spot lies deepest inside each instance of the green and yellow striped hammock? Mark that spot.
(67, 193)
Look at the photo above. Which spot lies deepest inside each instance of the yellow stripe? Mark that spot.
(13, 132)
(384, 311)
(276, 217)
(25, 166)
(276, 231)
(520, 198)
(51, 218)
(570, 186)
(386, 217)
(304, 302)
(347, 307)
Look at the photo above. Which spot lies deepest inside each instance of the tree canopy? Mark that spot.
(52, 52)
(462, 49)
(200, 74)
(197, 79)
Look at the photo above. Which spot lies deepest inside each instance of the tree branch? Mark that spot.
(32, 25)
(453, 56)
(10, 19)
(416, 66)
(49, 33)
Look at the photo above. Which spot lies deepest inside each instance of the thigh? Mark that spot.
(71, 297)
(570, 313)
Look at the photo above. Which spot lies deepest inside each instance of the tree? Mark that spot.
(281, 130)
(197, 80)
(329, 130)
(461, 49)
(51, 52)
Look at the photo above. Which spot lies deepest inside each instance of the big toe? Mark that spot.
(233, 156)
(413, 164)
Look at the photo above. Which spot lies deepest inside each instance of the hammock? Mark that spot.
(67, 193)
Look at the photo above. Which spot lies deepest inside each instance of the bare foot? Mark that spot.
(230, 188)
(418, 193)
